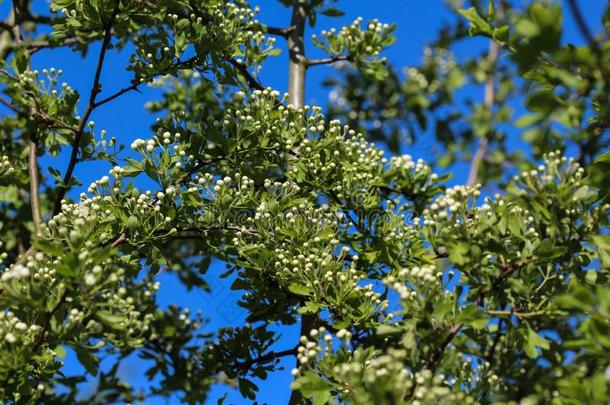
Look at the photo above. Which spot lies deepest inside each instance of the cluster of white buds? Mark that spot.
(557, 168)
(431, 388)
(5, 165)
(99, 185)
(410, 282)
(16, 271)
(131, 303)
(416, 76)
(52, 75)
(13, 330)
(117, 172)
(313, 345)
(440, 56)
(353, 39)
(138, 144)
(453, 206)
(355, 162)
(407, 162)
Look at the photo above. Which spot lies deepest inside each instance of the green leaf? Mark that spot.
(61, 352)
(598, 175)
(477, 24)
(458, 252)
(473, 317)
(89, 360)
(48, 247)
(332, 12)
(299, 289)
(385, 329)
(544, 102)
(313, 386)
(533, 342)
(310, 307)
(21, 59)
(247, 388)
(603, 248)
(111, 319)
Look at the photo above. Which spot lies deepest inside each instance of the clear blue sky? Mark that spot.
(126, 118)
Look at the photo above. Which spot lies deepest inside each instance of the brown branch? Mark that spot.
(39, 45)
(95, 89)
(588, 35)
(7, 104)
(122, 238)
(583, 27)
(243, 70)
(47, 324)
(328, 61)
(297, 70)
(494, 344)
(178, 65)
(488, 102)
(7, 36)
(34, 185)
(296, 49)
(32, 147)
(516, 312)
(280, 32)
(437, 354)
(271, 356)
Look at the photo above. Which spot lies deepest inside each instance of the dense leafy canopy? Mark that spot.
(408, 290)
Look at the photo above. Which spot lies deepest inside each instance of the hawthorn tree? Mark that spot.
(406, 289)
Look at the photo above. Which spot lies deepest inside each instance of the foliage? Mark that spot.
(408, 290)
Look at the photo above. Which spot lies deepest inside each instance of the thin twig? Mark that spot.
(593, 43)
(518, 314)
(488, 102)
(32, 148)
(297, 70)
(39, 45)
(281, 32)
(328, 61)
(583, 27)
(179, 65)
(8, 104)
(34, 185)
(122, 238)
(271, 356)
(437, 354)
(47, 324)
(95, 89)
(243, 70)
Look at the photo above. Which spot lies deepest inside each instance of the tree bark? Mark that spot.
(296, 97)
(296, 50)
(488, 101)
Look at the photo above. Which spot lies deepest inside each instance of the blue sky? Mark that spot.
(126, 118)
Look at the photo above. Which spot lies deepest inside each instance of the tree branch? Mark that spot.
(266, 358)
(488, 102)
(179, 65)
(583, 27)
(280, 32)
(437, 354)
(7, 104)
(39, 45)
(32, 148)
(328, 61)
(95, 89)
(590, 38)
(243, 70)
(296, 96)
(296, 50)
(34, 185)
(47, 324)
